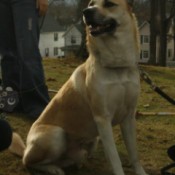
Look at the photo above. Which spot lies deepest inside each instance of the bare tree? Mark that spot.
(174, 36)
(65, 13)
(153, 30)
(163, 33)
(159, 28)
(142, 10)
(81, 5)
(82, 52)
(172, 16)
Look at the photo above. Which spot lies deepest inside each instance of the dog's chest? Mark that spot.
(116, 91)
(124, 88)
(122, 98)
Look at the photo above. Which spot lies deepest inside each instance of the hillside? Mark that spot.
(154, 133)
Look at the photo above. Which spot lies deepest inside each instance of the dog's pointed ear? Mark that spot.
(131, 3)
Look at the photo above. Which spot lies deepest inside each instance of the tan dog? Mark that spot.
(100, 93)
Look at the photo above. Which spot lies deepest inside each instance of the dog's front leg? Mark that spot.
(128, 129)
(105, 131)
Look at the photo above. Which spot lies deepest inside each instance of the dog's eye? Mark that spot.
(109, 4)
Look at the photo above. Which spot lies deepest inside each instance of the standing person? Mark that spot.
(21, 60)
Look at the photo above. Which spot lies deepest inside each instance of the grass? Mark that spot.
(154, 133)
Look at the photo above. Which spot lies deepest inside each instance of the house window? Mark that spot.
(73, 39)
(46, 52)
(55, 36)
(144, 39)
(169, 53)
(144, 54)
(141, 55)
(55, 51)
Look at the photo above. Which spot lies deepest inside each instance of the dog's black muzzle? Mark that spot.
(89, 14)
(97, 22)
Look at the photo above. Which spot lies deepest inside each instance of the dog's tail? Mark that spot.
(17, 146)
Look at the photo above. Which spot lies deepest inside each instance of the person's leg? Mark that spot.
(33, 91)
(9, 62)
(7, 37)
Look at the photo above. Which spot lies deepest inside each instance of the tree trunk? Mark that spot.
(174, 38)
(153, 32)
(163, 34)
(82, 52)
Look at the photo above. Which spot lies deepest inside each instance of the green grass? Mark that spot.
(154, 133)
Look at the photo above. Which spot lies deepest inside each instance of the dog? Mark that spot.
(100, 93)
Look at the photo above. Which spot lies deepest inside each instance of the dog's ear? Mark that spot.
(131, 2)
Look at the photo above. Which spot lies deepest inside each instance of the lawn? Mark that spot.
(154, 133)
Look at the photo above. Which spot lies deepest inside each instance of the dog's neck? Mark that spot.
(116, 50)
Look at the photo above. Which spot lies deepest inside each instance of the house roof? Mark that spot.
(143, 24)
(78, 26)
(50, 24)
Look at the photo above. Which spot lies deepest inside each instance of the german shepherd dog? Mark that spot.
(100, 93)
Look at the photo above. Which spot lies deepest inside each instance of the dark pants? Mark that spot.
(21, 60)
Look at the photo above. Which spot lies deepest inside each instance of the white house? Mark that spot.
(51, 38)
(73, 39)
(144, 30)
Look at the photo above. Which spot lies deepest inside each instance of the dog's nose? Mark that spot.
(89, 12)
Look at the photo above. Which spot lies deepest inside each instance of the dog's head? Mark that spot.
(106, 16)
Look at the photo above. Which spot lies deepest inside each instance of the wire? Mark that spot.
(144, 75)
